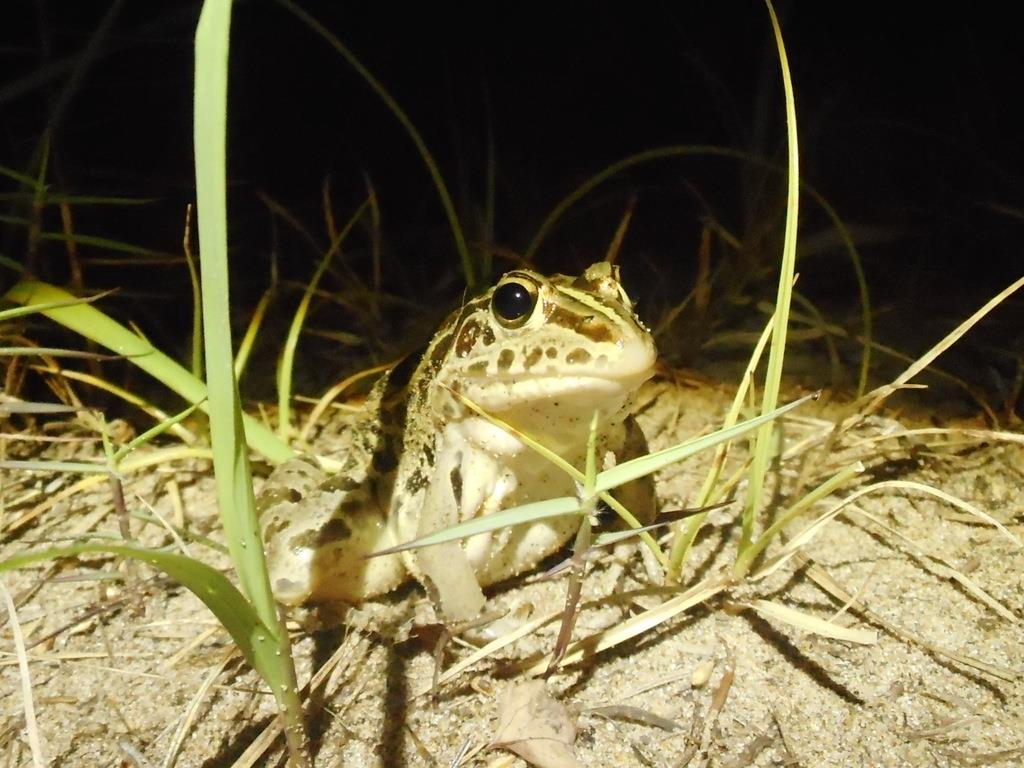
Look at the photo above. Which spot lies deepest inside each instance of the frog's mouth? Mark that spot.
(565, 391)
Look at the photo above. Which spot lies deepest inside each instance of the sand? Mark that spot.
(128, 668)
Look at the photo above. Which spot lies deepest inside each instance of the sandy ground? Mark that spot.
(124, 663)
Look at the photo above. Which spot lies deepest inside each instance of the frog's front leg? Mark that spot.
(467, 480)
(317, 531)
(445, 569)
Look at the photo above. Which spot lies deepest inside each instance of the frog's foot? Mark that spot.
(450, 580)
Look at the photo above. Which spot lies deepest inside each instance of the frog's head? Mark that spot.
(561, 344)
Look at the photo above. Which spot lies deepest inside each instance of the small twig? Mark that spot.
(577, 570)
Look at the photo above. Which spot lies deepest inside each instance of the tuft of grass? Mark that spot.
(764, 440)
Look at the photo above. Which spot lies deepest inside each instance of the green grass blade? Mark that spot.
(251, 332)
(231, 465)
(590, 475)
(96, 241)
(80, 200)
(527, 513)
(710, 490)
(746, 558)
(153, 432)
(11, 264)
(208, 584)
(50, 352)
(17, 176)
(645, 465)
(230, 454)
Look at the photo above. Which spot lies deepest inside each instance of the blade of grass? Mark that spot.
(13, 175)
(251, 332)
(230, 455)
(526, 513)
(52, 352)
(208, 584)
(105, 243)
(605, 481)
(153, 432)
(81, 200)
(746, 558)
(645, 465)
(16, 312)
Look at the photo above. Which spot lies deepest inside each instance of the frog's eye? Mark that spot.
(513, 301)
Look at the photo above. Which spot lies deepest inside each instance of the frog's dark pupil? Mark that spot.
(512, 301)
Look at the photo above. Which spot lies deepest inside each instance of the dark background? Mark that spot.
(909, 124)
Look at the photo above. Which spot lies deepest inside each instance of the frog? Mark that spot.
(545, 355)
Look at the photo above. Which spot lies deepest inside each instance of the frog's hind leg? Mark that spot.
(318, 532)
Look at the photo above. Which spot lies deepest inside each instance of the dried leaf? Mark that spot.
(536, 727)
